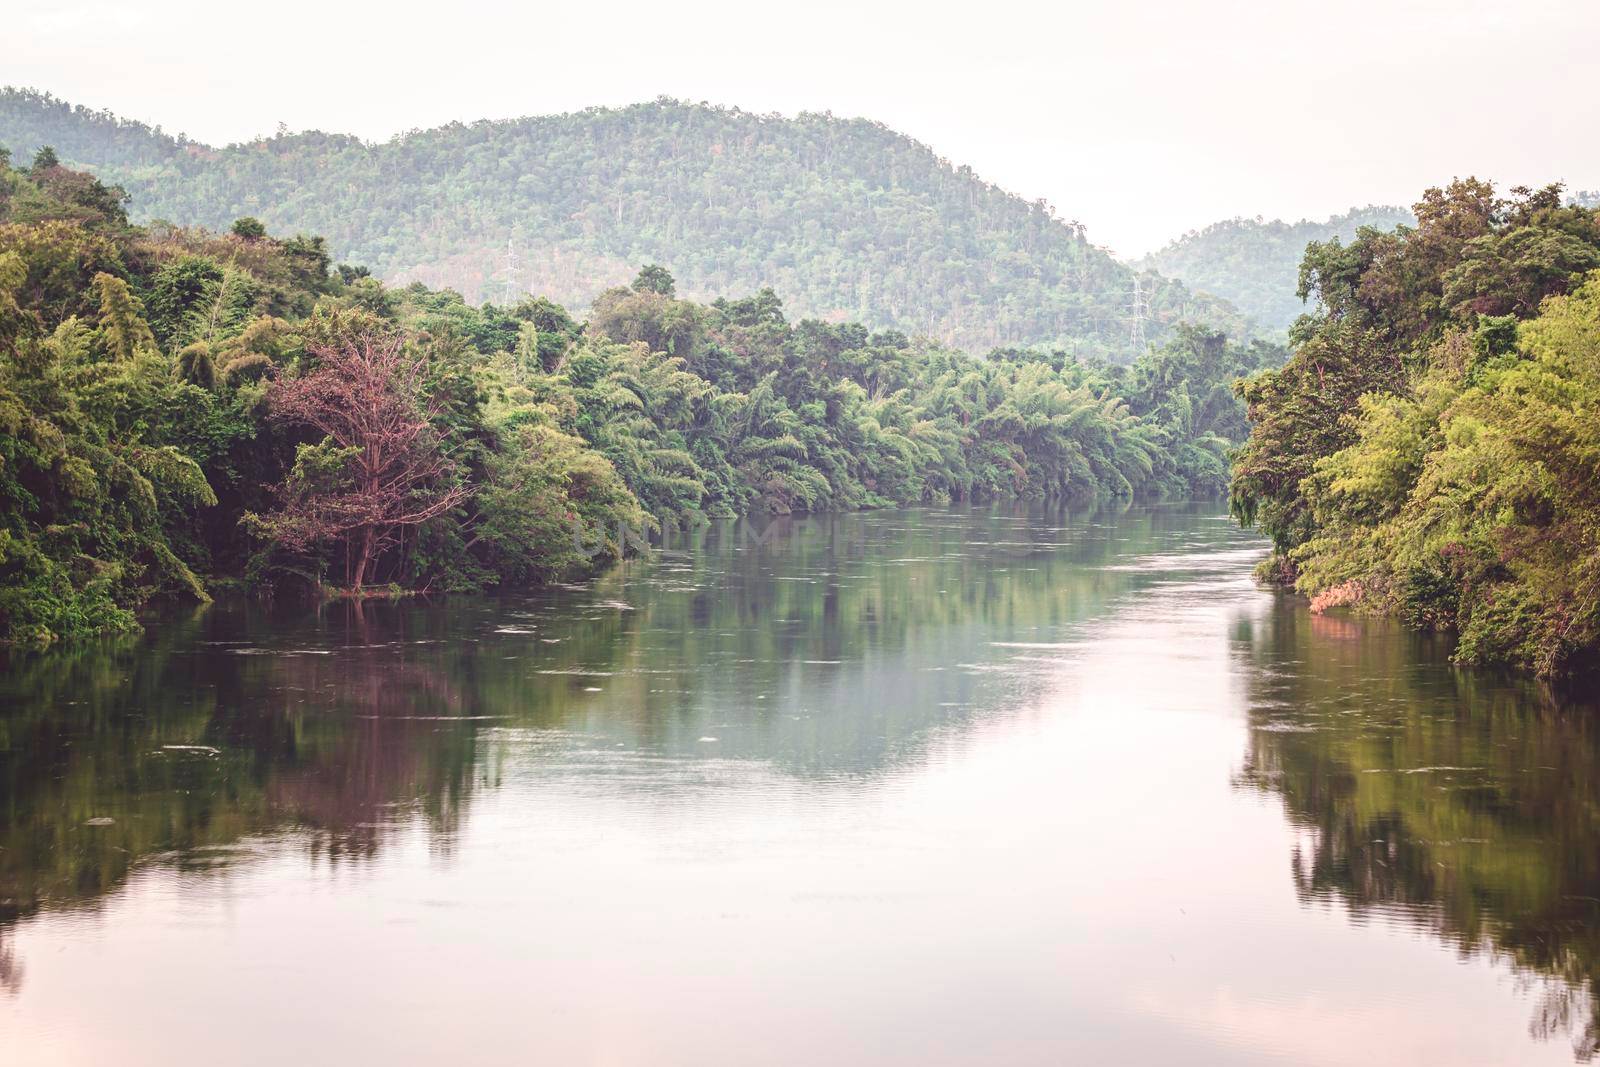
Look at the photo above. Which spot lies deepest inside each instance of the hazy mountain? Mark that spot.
(1254, 264)
(843, 218)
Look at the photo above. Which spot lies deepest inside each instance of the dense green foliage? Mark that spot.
(1253, 263)
(1431, 449)
(177, 404)
(847, 219)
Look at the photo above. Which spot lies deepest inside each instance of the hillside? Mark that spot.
(1255, 265)
(846, 218)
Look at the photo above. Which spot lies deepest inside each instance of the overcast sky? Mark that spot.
(1142, 120)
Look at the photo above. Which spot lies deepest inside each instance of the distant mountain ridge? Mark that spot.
(1255, 264)
(843, 218)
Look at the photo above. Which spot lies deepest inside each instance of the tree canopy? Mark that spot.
(181, 407)
(1429, 449)
(846, 218)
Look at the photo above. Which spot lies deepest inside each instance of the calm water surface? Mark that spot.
(903, 788)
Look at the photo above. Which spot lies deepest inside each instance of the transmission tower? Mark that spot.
(1138, 312)
(511, 273)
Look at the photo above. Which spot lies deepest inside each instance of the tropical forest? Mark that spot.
(691, 536)
(185, 407)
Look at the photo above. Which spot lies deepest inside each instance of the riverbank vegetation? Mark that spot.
(178, 405)
(1432, 448)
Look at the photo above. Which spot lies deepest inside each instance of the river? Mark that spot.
(916, 787)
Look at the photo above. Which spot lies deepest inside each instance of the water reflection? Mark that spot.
(926, 787)
(826, 647)
(1456, 802)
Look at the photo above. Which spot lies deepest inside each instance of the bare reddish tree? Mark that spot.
(367, 397)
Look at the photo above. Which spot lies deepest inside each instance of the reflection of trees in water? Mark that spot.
(10, 969)
(125, 752)
(842, 643)
(1455, 802)
(835, 630)
(1569, 1008)
(403, 746)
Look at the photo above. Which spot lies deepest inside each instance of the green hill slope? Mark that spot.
(1255, 265)
(846, 218)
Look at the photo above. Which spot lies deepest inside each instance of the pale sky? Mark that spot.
(1142, 120)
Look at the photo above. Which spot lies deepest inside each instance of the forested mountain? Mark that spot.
(1432, 448)
(1255, 265)
(846, 218)
(177, 404)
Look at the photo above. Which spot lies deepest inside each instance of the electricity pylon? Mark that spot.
(1138, 312)
(511, 273)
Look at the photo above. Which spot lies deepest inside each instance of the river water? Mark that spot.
(918, 787)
